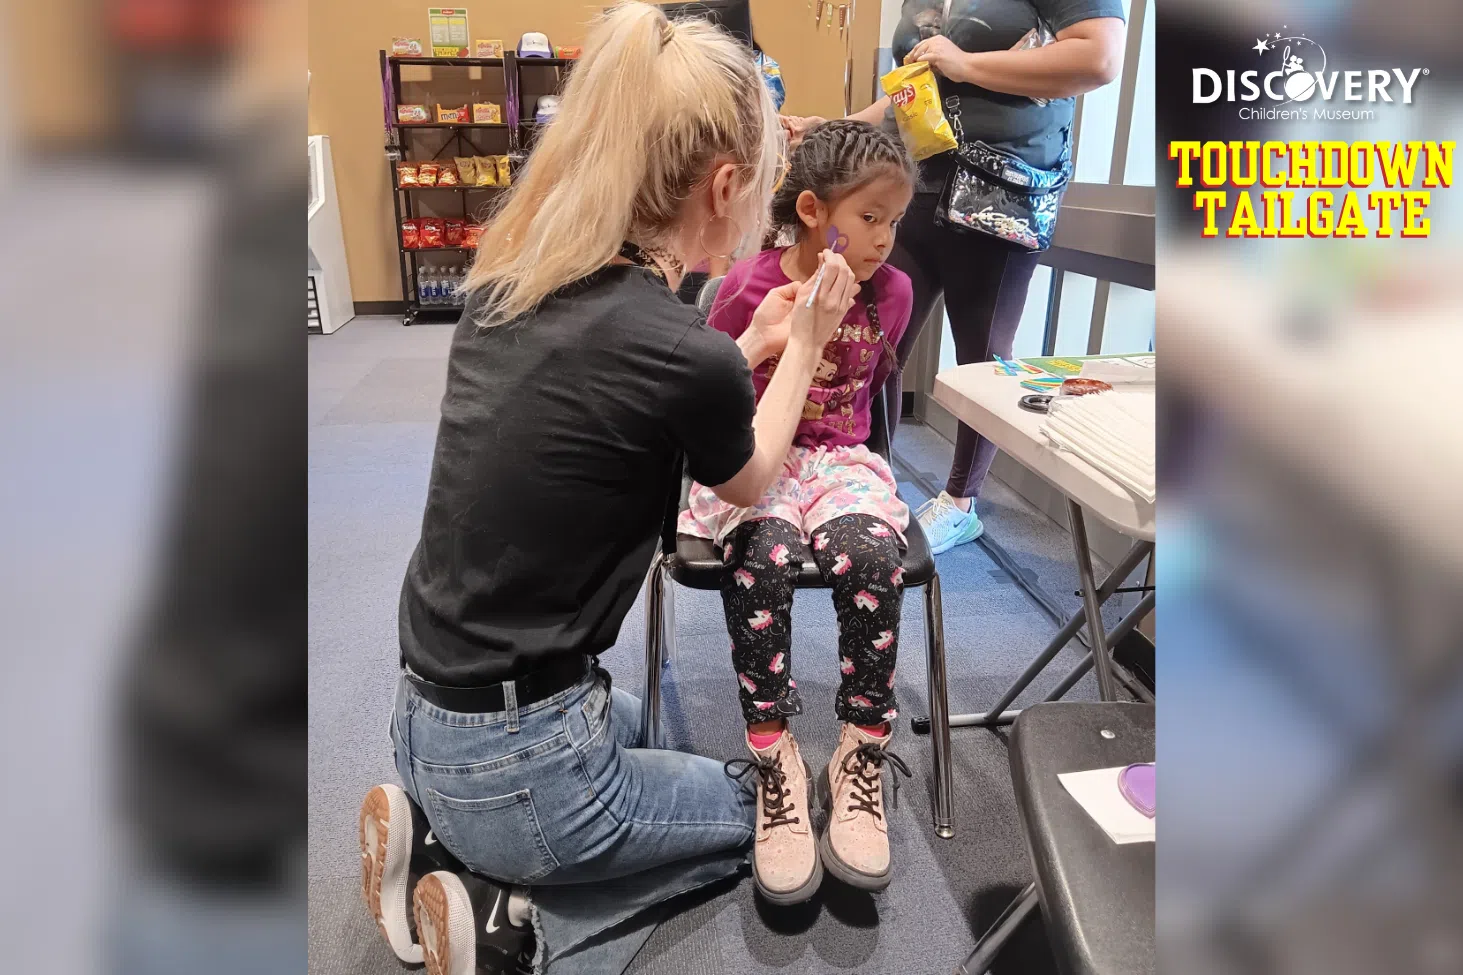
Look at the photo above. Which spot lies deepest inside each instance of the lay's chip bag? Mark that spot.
(916, 100)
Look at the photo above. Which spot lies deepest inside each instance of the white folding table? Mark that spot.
(988, 402)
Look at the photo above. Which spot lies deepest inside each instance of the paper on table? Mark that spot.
(1097, 792)
(1120, 371)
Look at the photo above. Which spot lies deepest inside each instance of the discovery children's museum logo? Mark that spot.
(1294, 69)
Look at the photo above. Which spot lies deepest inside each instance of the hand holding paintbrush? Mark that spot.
(823, 300)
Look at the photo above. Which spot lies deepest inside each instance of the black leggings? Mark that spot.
(858, 556)
(984, 282)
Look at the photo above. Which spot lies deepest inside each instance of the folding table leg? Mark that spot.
(650, 729)
(1107, 687)
(991, 943)
(1117, 633)
(1000, 713)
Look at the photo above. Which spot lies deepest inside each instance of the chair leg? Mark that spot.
(650, 729)
(991, 943)
(939, 709)
(668, 613)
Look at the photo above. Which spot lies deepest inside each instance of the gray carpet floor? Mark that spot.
(374, 392)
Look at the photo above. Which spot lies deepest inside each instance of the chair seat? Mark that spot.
(697, 566)
(1096, 896)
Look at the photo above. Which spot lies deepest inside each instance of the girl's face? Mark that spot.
(868, 218)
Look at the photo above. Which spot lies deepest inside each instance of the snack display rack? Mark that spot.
(513, 137)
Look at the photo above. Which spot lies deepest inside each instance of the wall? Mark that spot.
(345, 92)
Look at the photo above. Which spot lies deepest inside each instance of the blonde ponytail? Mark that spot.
(645, 112)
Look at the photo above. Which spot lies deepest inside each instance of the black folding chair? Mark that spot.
(1096, 896)
(693, 562)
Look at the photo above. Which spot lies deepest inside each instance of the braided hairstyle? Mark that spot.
(834, 159)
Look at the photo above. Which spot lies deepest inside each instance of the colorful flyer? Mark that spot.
(1071, 365)
(449, 31)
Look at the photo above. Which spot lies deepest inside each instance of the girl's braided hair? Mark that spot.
(836, 158)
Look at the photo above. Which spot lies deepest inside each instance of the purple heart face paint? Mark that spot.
(837, 242)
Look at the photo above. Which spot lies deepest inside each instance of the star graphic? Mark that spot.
(1277, 35)
(1261, 46)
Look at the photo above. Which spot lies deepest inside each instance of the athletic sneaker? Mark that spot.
(397, 850)
(463, 920)
(855, 847)
(785, 862)
(945, 525)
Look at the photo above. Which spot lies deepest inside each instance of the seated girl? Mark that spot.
(848, 183)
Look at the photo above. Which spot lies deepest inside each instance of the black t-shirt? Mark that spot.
(1014, 122)
(556, 460)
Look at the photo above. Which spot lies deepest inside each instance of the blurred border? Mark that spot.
(152, 399)
(1311, 540)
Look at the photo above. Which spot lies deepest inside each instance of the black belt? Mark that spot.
(532, 687)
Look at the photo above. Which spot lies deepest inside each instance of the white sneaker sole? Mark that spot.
(947, 545)
(385, 835)
(445, 922)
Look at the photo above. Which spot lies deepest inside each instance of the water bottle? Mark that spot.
(428, 285)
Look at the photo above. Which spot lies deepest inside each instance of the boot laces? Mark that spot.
(777, 804)
(864, 766)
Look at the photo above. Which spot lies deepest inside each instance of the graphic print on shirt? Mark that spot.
(842, 371)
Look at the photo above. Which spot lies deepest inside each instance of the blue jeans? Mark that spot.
(559, 796)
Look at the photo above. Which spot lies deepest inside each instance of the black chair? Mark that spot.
(693, 562)
(1096, 896)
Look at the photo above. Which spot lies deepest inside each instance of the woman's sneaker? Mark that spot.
(945, 525)
(397, 850)
(785, 861)
(463, 922)
(855, 847)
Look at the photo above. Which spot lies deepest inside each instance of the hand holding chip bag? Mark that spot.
(915, 98)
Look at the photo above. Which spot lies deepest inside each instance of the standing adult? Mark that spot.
(576, 382)
(1018, 100)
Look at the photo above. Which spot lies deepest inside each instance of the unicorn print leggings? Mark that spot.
(858, 556)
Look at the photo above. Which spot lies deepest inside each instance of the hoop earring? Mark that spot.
(701, 238)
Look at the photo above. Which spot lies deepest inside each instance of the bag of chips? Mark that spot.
(427, 174)
(430, 231)
(467, 170)
(503, 175)
(406, 174)
(471, 234)
(487, 170)
(915, 97)
(453, 232)
(447, 176)
(410, 235)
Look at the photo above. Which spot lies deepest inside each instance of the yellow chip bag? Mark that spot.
(916, 100)
(504, 177)
(467, 170)
(487, 170)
